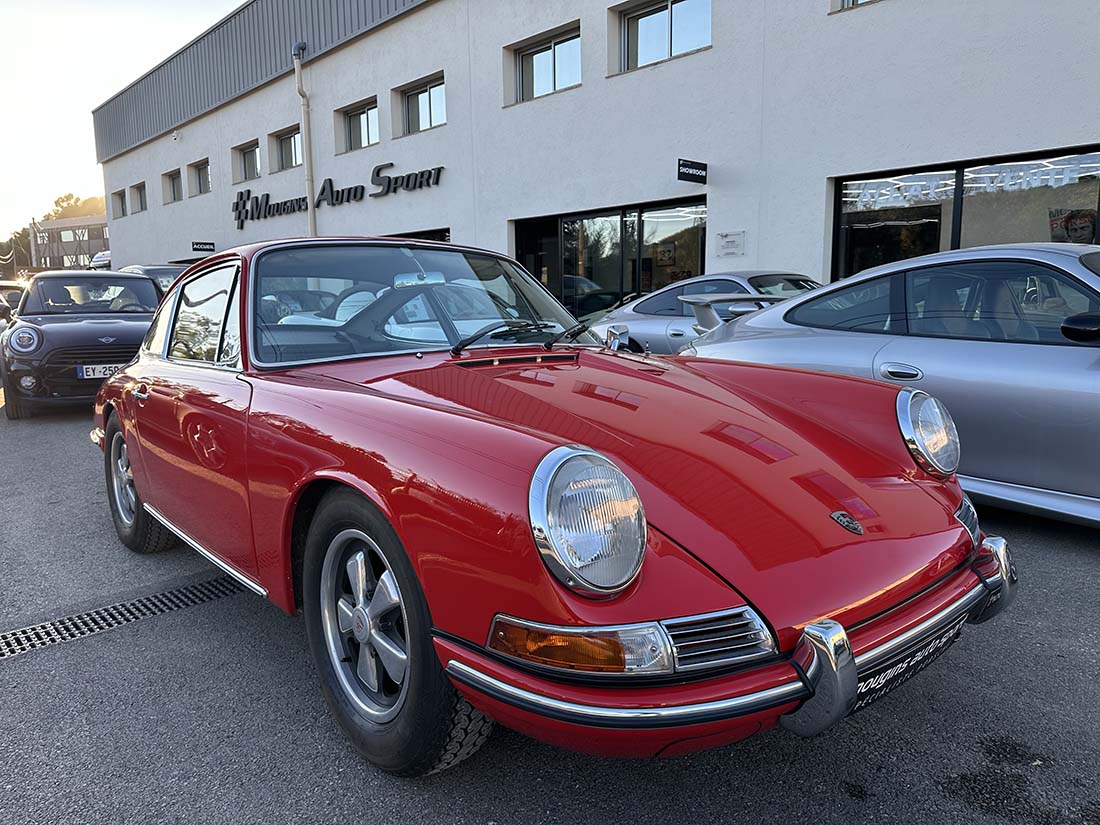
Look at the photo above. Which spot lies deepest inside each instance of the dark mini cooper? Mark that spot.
(72, 330)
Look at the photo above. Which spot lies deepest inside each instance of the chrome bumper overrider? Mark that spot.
(97, 436)
(829, 684)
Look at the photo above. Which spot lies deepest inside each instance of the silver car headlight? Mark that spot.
(25, 340)
(929, 432)
(588, 521)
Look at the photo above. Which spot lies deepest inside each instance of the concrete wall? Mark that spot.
(788, 98)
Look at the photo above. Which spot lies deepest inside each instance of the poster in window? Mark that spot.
(1072, 225)
(666, 254)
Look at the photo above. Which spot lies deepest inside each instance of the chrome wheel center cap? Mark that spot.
(360, 624)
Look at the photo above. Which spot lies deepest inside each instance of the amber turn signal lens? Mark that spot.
(600, 652)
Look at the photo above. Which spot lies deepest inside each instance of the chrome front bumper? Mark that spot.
(832, 681)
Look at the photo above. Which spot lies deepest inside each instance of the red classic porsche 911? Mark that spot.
(485, 513)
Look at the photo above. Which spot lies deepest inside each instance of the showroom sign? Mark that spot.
(249, 207)
(692, 171)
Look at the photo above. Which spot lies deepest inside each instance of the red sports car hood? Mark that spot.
(743, 466)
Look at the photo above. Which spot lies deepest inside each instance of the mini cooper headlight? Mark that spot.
(929, 432)
(587, 520)
(24, 340)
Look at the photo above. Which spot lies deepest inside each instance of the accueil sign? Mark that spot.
(249, 207)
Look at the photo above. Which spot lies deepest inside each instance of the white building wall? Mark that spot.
(788, 98)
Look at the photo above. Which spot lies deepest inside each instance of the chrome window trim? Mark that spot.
(253, 294)
(206, 554)
(224, 263)
(538, 511)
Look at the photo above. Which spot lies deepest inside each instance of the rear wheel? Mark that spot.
(136, 528)
(369, 633)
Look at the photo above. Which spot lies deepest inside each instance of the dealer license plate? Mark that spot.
(98, 370)
(876, 683)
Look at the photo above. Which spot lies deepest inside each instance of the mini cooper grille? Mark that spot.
(718, 639)
(69, 628)
(968, 517)
(102, 354)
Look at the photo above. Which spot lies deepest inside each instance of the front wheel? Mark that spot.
(136, 528)
(14, 408)
(369, 633)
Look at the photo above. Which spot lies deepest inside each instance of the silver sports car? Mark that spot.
(661, 323)
(1008, 337)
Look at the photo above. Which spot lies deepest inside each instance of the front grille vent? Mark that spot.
(69, 628)
(713, 640)
(968, 518)
(92, 355)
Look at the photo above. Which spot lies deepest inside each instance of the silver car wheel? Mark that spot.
(364, 624)
(122, 481)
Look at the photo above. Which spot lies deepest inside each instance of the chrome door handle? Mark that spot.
(676, 333)
(900, 372)
(139, 395)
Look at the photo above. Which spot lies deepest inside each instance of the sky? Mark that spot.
(60, 59)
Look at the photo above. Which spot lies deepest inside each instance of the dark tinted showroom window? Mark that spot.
(664, 303)
(864, 307)
(200, 314)
(1012, 301)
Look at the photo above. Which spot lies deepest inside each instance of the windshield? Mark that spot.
(83, 294)
(326, 302)
(787, 285)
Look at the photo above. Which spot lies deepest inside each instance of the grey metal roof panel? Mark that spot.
(249, 47)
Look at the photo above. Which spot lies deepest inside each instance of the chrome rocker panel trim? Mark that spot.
(206, 554)
(826, 671)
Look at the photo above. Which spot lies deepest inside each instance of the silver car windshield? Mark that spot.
(334, 302)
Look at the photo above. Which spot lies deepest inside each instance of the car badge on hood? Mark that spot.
(107, 339)
(846, 521)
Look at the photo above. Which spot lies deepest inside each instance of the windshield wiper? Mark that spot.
(566, 335)
(496, 326)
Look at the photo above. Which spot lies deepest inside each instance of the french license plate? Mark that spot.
(98, 370)
(886, 677)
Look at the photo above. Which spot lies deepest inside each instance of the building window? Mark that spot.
(425, 107)
(290, 149)
(173, 186)
(199, 177)
(361, 127)
(898, 215)
(118, 204)
(138, 201)
(248, 161)
(550, 66)
(659, 31)
(67, 236)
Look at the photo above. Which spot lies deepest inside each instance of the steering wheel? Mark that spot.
(137, 306)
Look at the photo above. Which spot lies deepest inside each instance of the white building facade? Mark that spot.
(835, 134)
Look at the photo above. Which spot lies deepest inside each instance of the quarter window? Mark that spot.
(197, 331)
(158, 330)
(1011, 301)
(426, 107)
(662, 30)
(663, 303)
(863, 307)
(550, 66)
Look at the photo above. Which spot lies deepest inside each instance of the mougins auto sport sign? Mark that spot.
(249, 207)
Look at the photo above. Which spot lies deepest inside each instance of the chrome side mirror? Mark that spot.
(618, 336)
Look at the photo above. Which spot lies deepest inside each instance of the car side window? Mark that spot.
(200, 314)
(870, 306)
(719, 286)
(158, 330)
(1016, 302)
(663, 303)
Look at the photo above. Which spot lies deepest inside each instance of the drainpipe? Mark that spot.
(307, 138)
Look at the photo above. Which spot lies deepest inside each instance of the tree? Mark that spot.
(70, 206)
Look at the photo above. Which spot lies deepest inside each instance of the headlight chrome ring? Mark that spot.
(25, 340)
(595, 563)
(932, 439)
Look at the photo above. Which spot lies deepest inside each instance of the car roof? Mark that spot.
(1025, 250)
(250, 250)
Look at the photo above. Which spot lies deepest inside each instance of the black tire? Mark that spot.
(14, 408)
(142, 533)
(434, 727)
(634, 346)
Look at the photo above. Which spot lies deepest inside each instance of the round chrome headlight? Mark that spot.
(929, 432)
(25, 339)
(588, 521)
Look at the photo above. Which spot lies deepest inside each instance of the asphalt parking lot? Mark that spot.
(212, 713)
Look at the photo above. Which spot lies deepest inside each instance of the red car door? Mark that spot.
(192, 423)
